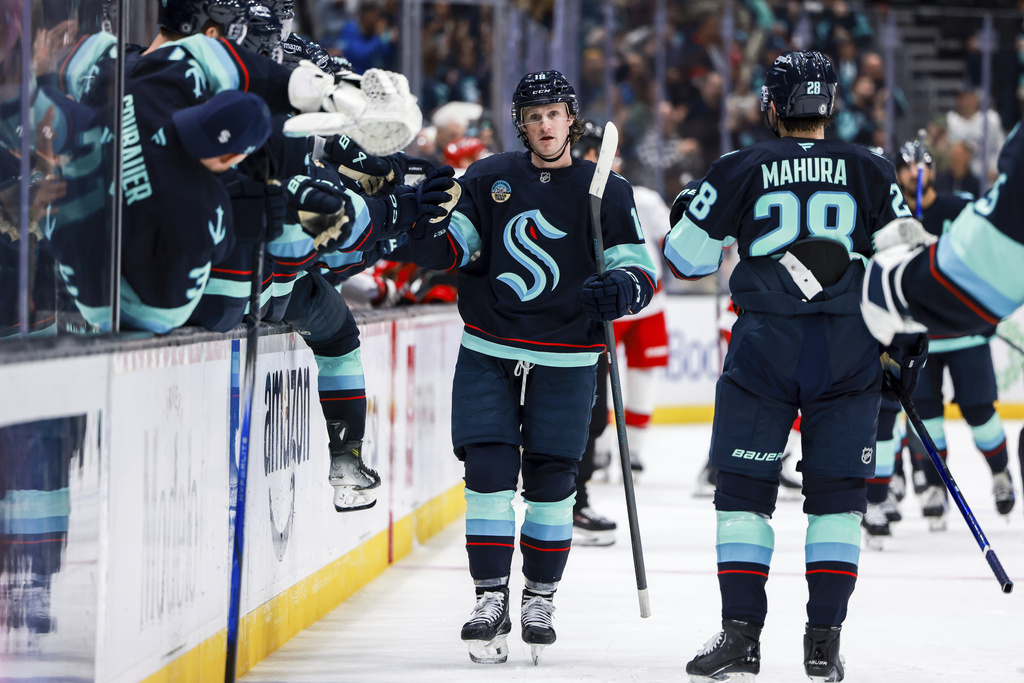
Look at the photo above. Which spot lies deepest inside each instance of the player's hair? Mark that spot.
(806, 125)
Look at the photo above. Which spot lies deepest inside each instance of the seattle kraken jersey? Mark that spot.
(520, 296)
(972, 277)
(937, 218)
(765, 197)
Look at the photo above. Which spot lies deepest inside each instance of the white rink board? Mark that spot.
(146, 570)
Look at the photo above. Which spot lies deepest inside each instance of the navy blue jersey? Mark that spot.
(937, 218)
(522, 239)
(972, 277)
(764, 198)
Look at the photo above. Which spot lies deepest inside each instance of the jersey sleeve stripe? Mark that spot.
(239, 62)
(936, 261)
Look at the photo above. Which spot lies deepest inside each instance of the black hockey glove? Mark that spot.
(435, 198)
(612, 296)
(373, 174)
(314, 195)
(907, 356)
(411, 170)
(258, 210)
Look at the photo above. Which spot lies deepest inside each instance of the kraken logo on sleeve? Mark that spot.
(521, 235)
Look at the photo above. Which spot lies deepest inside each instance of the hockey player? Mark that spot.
(801, 211)
(525, 379)
(968, 358)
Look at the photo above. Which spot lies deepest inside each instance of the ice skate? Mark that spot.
(1002, 489)
(933, 507)
(898, 486)
(590, 528)
(536, 622)
(891, 508)
(706, 482)
(487, 627)
(353, 481)
(876, 526)
(733, 654)
(920, 482)
(37, 604)
(822, 661)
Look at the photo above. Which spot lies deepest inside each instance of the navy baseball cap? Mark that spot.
(230, 122)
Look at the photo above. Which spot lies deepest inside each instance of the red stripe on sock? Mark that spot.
(545, 550)
(501, 545)
(832, 571)
(741, 571)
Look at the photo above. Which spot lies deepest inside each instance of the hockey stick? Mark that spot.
(947, 479)
(248, 388)
(609, 143)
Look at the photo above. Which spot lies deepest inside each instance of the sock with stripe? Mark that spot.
(745, 543)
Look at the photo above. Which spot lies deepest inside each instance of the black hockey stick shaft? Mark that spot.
(954, 491)
(609, 143)
(248, 388)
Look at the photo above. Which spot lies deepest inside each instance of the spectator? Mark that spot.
(369, 41)
(958, 177)
(967, 123)
(857, 122)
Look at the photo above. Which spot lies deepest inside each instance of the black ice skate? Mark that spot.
(891, 507)
(353, 481)
(733, 654)
(876, 526)
(590, 528)
(487, 627)
(1002, 489)
(933, 507)
(822, 661)
(537, 627)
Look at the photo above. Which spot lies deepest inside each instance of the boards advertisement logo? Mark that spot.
(285, 447)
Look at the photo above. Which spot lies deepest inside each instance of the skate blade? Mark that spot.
(535, 650)
(739, 677)
(347, 499)
(874, 542)
(488, 651)
(583, 537)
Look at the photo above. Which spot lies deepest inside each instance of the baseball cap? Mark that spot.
(230, 122)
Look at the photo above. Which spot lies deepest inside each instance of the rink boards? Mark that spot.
(142, 591)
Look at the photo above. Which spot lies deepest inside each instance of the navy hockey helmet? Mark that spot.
(285, 11)
(801, 84)
(592, 136)
(188, 17)
(543, 87)
(296, 48)
(913, 152)
(263, 34)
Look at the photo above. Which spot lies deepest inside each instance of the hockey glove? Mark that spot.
(883, 306)
(903, 232)
(373, 174)
(612, 296)
(906, 358)
(435, 198)
(258, 210)
(320, 208)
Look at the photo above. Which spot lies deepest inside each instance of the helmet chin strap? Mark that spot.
(773, 125)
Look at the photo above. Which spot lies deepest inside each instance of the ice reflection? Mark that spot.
(41, 472)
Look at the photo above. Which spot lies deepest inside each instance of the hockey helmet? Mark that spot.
(801, 84)
(592, 136)
(263, 35)
(187, 17)
(913, 152)
(543, 87)
(285, 11)
(296, 48)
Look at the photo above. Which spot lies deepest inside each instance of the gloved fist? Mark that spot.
(372, 173)
(314, 195)
(906, 356)
(258, 210)
(610, 297)
(438, 194)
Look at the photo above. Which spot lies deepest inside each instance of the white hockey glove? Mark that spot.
(883, 305)
(903, 231)
(308, 86)
(380, 114)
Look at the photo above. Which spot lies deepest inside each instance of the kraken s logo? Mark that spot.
(523, 230)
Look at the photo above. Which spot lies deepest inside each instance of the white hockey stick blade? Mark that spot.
(323, 124)
(609, 144)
